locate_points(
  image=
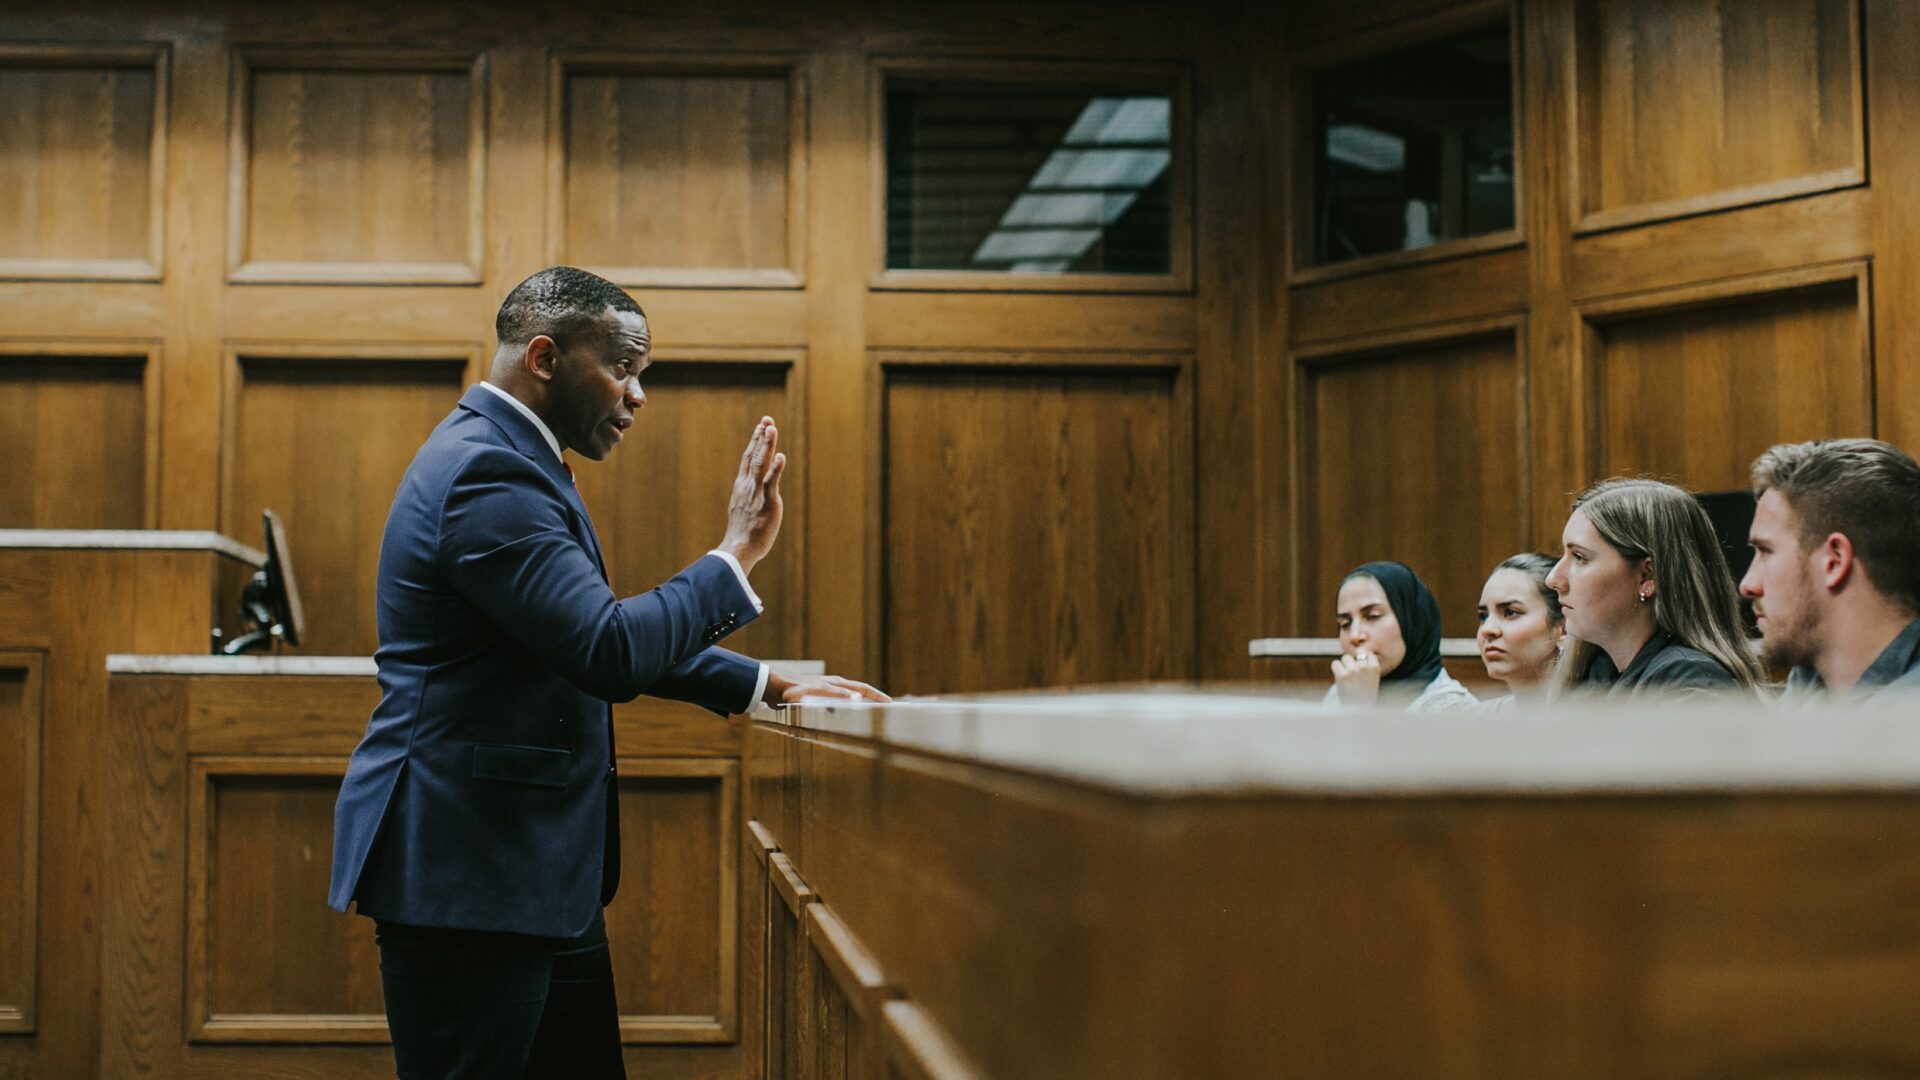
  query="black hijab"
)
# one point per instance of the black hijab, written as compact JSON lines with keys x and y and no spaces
{"x":1419,"y":616}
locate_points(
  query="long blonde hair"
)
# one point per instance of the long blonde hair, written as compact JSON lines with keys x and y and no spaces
{"x":1693,"y":597}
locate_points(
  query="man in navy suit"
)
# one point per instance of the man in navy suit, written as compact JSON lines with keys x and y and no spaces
{"x":477,"y":824}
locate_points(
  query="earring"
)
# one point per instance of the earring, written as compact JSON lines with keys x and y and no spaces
{"x":1644,"y":597}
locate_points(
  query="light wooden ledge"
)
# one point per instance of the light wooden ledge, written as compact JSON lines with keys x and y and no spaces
{"x":1165,"y":743}
{"x":131,"y":540}
{"x":1312,"y":648}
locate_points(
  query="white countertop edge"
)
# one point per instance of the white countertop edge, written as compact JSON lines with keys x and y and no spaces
{"x":149,"y":664}
{"x":359,"y":666}
{"x":131,"y":540}
{"x":1307,"y":648}
{"x":1222,"y":745}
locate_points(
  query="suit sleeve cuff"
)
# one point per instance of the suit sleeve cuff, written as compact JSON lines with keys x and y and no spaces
{"x":759,"y":690}
{"x":758,"y":607}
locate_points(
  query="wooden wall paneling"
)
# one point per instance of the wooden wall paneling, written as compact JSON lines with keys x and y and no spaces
{"x":1557,"y":435}
{"x":399,"y":194}
{"x":140,"y":1028}
{"x":1772,"y":358}
{"x":20,"y":723}
{"x":756,"y":926}
{"x":192,"y":366}
{"x":852,"y":992}
{"x":1815,"y":230}
{"x":84,"y":176}
{"x":1894,"y":99}
{"x":898,"y":319}
{"x":80,"y":430}
{"x":677,"y":169}
{"x":660,"y":503}
{"x":675,"y":929}
{"x":843,"y":538}
{"x":1271,"y":316}
{"x":914,"y":1047}
{"x":114,"y":310}
{"x":1469,"y":287}
{"x":1038,"y":518}
{"x":359,"y":314}
{"x":303,"y":716}
{"x":1299,"y":188}
{"x":1683,"y":108}
{"x":789,"y":1028}
{"x":1175,"y":78}
{"x":1226,"y":455}
{"x":266,"y":962}
{"x":322,"y":434}
{"x":1411,"y":448}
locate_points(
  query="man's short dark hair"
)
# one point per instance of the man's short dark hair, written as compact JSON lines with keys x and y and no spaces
{"x":1863,"y":488}
{"x":559,"y":302}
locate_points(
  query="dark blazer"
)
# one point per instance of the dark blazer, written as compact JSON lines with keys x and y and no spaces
{"x":482,"y":794}
{"x":1664,"y":664}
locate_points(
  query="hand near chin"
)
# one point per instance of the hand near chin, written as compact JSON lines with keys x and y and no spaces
{"x":1356,"y":678}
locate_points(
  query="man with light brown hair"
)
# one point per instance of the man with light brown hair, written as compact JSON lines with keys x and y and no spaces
{"x":1835,"y":579}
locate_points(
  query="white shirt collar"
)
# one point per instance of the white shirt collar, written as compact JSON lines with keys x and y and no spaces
{"x":529,"y":414}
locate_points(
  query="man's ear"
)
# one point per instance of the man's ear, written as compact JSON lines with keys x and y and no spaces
{"x":541,"y":357}
{"x":1833,"y":561}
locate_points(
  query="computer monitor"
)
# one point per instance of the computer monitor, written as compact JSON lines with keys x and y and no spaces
{"x":270,"y":605}
{"x":1731,"y":513}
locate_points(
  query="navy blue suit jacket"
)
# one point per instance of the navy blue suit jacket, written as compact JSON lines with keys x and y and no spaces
{"x":482,"y":794}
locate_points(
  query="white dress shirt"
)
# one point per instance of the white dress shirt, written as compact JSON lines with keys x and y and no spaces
{"x":760,"y":688}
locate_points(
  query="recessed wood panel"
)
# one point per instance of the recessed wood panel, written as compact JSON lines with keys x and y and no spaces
{"x":674,"y":923}
{"x":675,"y":170}
{"x":1694,"y":105}
{"x":1415,"y":454}
{"x":660,"y":501}
{"x":73,"y":435}
{"x":79,"y":174}
{"x":324,"y":442}
{"x":19,"y":838}
{"x":348,"y":170}
{"x":1035,"y":529}
{"x":266,"y":959}
{"x":1695,"y":395}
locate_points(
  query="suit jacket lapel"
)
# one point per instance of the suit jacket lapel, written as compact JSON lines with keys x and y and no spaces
{"x":527,"y":439}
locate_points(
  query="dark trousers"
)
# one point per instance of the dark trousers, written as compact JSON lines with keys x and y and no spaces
{"x":473,"y":1005}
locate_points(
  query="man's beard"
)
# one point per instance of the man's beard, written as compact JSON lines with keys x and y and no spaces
{"x":1790,"y":645}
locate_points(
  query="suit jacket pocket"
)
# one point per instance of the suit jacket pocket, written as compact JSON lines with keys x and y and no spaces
{"x":536,"y":765}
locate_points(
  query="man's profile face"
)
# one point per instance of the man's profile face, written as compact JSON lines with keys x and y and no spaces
{"x":596,"y":384}
{"x":1781,"y":583}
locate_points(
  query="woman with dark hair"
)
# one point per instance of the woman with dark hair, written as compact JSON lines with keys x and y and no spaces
{"x":1521,"y":628}
{"x":1648,"y":598}
{"x":1389,"y":628}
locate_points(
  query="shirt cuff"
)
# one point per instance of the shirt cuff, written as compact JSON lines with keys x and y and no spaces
{"x":758,"y":607}
{"x":759,"y":690}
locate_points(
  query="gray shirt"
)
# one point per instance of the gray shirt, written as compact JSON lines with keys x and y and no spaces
{"x":1896,"y":668}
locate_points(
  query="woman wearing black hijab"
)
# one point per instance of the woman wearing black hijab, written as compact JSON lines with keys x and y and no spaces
{"x":1389,"y":627}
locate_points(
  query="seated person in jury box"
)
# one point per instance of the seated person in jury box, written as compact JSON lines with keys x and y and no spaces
{"x":1648,"y":598}
{"x":1521,"y":628}
{"x":1835,"y":577}
{"x":1389,"y":627}
{"x":477,"y":822}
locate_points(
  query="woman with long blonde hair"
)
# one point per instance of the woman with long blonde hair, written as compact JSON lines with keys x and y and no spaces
{"x":1648,"y":599}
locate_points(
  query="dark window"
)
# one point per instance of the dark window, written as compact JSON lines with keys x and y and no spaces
{"x":1029,"y":177}
{"x":1413,"y":147}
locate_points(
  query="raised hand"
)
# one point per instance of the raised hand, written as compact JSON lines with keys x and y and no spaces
{"x":754,"y":508}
